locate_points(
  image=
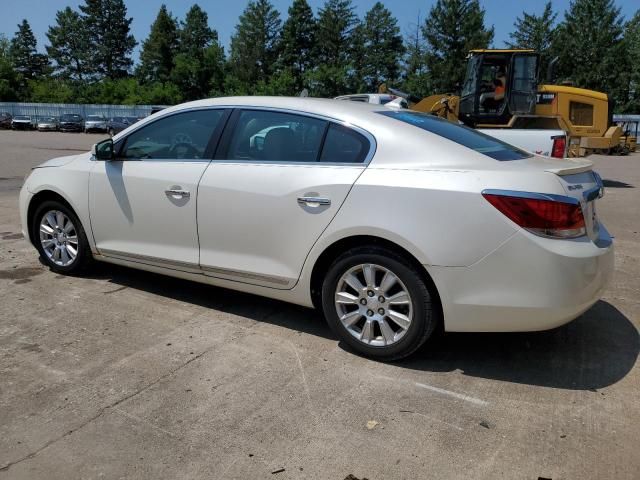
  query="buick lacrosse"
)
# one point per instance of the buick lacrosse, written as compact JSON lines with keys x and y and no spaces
{"x":390,"y":222}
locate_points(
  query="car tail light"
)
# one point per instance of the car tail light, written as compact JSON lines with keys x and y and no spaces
{"x":546,"y":215}
{"x":559,"y":146}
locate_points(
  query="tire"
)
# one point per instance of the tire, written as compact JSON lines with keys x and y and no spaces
{"x":83,"y":258}
{"x":384,"y":339}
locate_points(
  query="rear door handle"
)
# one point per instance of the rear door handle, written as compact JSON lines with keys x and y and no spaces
{"x":178,"y":193}
{"x":313,"y":201}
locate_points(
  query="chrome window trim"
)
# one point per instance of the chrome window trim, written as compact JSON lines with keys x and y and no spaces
{"x":532,"y":195}
{"x":373,"y":144}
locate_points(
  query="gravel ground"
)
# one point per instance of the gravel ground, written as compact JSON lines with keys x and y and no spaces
{"x":125,"y":374}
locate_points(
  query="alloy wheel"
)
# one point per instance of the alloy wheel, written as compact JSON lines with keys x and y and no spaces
{"x":373,"y":305}
{"x":59,"y":238}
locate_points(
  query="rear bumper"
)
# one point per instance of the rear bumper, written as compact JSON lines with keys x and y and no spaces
{"x":529,"y":283}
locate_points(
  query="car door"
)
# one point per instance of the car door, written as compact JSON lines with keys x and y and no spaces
{"x":143,"y":203}
{"x":277,"y":181}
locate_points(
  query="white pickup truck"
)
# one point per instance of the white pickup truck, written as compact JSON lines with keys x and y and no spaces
{"x":549,"y":143}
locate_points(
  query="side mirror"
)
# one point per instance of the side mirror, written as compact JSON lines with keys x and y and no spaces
{"x":103,"y":150}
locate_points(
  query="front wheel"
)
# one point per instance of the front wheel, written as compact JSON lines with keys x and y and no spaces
{"x":378,"y":303}
{"x":60,"y":238}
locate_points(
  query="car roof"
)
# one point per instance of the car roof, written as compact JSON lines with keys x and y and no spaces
{"x":398,"y":144}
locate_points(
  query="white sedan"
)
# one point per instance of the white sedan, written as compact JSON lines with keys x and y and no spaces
{"x":391,"y":222}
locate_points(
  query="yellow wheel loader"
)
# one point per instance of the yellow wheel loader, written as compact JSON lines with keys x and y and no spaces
{"x":501,"y":90}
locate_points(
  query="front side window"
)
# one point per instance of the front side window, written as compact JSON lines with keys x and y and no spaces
{"x":183,"y":136}
{"x":276,"y":137}
{"x":465,"y":136}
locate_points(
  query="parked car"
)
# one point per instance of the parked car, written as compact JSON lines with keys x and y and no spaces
{"x":5,"y":120}
{"x":118,"y":124}
{"x":71,"y":122}
{"x":95,"y":123}
{"x":21,"y":122}
{"x":375,"y":98}
{"x":48,"y":124}
{"x":392,"y":222}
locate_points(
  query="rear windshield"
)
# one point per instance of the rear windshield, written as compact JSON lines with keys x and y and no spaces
{"x":460,"y":134}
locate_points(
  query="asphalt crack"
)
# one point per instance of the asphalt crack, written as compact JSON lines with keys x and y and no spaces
{"x":113,"y":405}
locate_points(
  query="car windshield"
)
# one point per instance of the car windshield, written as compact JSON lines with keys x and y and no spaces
{"x":71,"y":118}
{"x":48,"y":119}
{"x":22,"y":117}
{"x":95,"y":118}
{"x":460,"y":134}
{"x":132,"y":119}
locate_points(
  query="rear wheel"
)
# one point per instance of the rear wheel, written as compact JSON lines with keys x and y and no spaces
{"x":378,"y":303}
{"x":60,"y":238}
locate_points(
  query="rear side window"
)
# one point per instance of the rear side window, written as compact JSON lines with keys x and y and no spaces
{"x":344,"y":145}
{"x":465,"y":136}
{"x":276,"y":137}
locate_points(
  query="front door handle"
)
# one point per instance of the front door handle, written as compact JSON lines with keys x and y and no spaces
{"x":313,"y":201}
{"x":174,"y":192}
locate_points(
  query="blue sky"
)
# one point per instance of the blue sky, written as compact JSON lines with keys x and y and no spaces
{"x":223,"y":14}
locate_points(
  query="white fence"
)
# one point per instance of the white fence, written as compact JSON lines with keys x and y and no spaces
{"x":38,"y":110}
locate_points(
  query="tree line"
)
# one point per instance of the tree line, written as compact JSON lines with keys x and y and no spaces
{"x":329,"y":52}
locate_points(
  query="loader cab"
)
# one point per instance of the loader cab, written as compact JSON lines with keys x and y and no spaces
{"x":498,"y":85}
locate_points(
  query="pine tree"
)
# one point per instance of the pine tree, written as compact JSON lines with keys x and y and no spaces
{"x":24,"y":54}
{"x":254,"y":45}
{"x":333,"y":50}
{"x":69,"y":45}
{"x":297,"y":40}
{"x":415,"y":77}
{"x":9,"y":78}
{"x":590,"y":47}
{"x":157,"y":58}
{"x":536,"y":33}
{"x":381,"y":48}
{"x":632,"y":44}
{"x":200,"y":61}
{"x":111,"y":43}
{"x":453,"y":28}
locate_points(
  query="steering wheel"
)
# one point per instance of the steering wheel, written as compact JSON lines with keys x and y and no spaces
{"x":191,"y":150}
{"x":181,"y":138}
